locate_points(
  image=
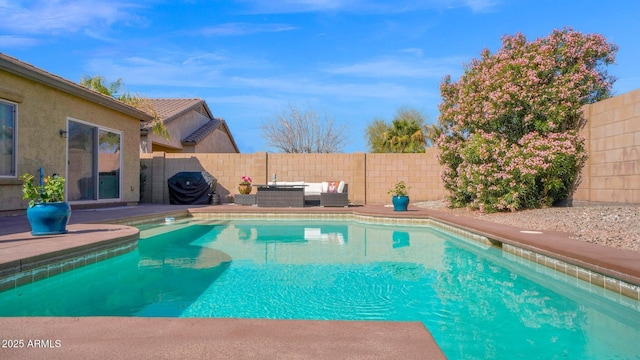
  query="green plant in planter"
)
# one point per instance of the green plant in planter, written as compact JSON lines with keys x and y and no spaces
{"x":401,"y":189}
{"x":52,"y":189}
{"x":48,"y":213}
{"x":400,"y":197}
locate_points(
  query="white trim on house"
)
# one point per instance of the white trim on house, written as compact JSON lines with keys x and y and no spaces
{"x":15,"y":140}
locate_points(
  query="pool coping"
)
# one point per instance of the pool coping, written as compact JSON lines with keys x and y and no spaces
{"x":163,"y":338}
{"x":27,"y":258}
{"x":612,"y":263}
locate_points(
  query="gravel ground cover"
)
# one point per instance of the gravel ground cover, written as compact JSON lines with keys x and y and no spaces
{"x":614,"y":226}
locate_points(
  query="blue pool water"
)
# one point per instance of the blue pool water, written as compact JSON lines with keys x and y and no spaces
{"x":477,"y":303}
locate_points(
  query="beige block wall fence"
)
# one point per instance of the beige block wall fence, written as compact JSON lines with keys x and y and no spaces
{"x":369,"y":175}
{"x":612,"y":173}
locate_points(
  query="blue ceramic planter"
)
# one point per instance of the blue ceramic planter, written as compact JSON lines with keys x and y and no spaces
{"x":49,"y":218}
{"x":400,"y":203}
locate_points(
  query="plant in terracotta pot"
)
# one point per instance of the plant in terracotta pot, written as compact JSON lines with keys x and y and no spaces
{"x":47,"y":213}
{"x":245,"y":185}
{"x":400,"y":197}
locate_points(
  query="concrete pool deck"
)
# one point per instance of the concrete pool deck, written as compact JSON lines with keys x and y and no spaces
{"x":141,"y":338}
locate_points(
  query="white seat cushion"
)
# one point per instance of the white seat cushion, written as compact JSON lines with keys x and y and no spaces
{"x":313,"y":189}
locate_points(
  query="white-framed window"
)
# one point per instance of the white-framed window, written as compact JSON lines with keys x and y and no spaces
{"x":94,"y":159}
{"x":8,"y":122}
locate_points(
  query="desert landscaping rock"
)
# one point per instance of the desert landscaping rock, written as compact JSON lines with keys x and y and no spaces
{"x":614,"y":226}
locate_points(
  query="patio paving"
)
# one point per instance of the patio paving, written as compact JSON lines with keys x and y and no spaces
{"x":141,"y":338}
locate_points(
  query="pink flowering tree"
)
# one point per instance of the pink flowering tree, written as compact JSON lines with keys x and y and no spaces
{"x":508,"y":129}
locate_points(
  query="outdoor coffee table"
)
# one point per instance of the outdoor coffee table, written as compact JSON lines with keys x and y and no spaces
{"x":280,"y":195}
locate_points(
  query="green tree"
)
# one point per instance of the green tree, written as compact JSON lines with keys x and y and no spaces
{"x":375,"y":135}
{"x":405,"y":134}
{"x":508,"y":128}
{"x":99,"y":83}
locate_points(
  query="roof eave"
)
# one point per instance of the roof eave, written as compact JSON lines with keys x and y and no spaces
{"x":233,"y":141}
{"x":30,"y":72}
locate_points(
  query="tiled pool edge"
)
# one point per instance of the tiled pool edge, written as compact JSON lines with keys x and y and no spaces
{"x":594,"y":278}
{"x":604,"y":281}
{"x":31,"y":269}
{"x":146,"y":219}
{"x":52,"y":264}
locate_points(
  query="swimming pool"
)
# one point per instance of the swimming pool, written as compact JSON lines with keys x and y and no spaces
{"x":475,"y":301}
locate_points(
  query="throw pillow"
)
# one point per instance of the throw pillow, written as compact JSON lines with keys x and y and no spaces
{"x":333,"y":186}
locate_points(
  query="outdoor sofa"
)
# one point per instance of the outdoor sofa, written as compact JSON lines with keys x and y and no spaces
{"x":326,"y":193}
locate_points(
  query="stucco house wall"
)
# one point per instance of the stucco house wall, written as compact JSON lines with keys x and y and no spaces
{"x":216,"y":142}
{"x":187,"y":124}
{"x":45,"y":103}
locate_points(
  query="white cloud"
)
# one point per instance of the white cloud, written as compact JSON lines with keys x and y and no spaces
{"x":153,"y":72}
{"x":172,"y":69}
{"x":236,"y":29}
{"x":413,"y":51}
{"x":63,"y":16}
{"x":363,"y":6}
{"x":10,"y":41}
{"x":400,"y":67}
{"x":211,"y":71}
{"x":297,"y":6}
{"x":481,"y":5}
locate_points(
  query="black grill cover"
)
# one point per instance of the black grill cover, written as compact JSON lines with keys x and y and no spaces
{"x":191,"y":188}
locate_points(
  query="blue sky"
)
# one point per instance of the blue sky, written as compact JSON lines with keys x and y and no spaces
{"x":353,"y":60}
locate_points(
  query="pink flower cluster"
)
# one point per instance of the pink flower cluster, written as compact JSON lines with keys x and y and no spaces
{"x":510,"y":123}
{"x":246,"y":180}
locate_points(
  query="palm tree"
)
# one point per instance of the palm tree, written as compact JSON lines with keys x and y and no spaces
{"x":406,"y":134}
{"x":98,"y":83}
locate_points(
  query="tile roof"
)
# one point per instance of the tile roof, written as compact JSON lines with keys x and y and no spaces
{"x":200,"y":134}
{"x":170,"y":109}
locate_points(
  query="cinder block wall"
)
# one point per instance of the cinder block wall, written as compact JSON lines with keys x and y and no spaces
{"x":421,"y":172}
{"x":228,"y":170}
{"x":612,"y":173}
{"x":369,"y":175}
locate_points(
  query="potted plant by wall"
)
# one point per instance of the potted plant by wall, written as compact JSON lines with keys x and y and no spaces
{"x":245,"y":185}
{"x":400,"y":197}
{"x":48,"y":213}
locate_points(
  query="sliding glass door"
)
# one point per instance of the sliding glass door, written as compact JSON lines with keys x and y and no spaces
{"x":108,"y":164}
{"x":94,"y":162}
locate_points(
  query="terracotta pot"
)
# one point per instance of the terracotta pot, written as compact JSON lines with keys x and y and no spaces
{"x":244,"y":189}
